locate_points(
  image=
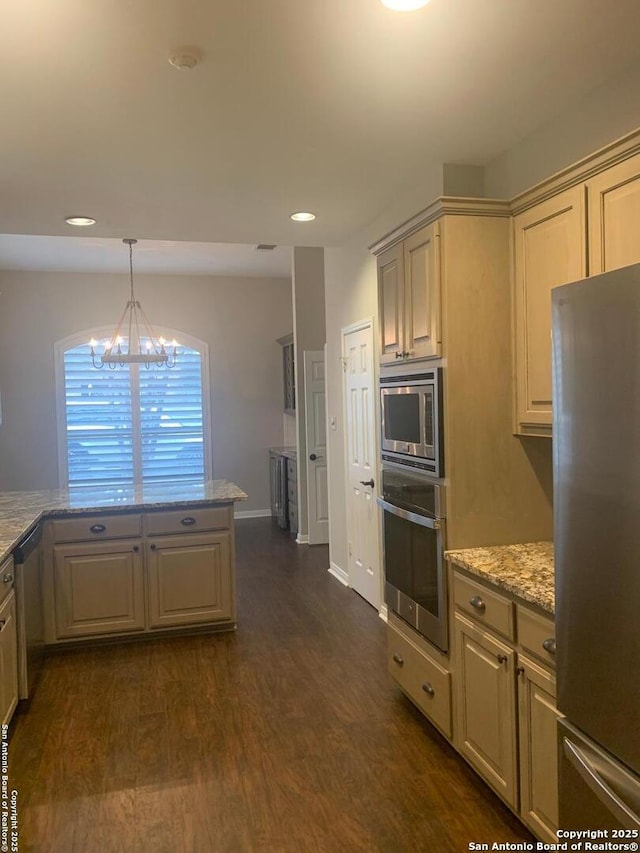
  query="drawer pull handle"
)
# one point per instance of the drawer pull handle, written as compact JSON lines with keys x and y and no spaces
{"x":188,"y":521}
{"x":398,"y":659}
{"x":502,"y":658}
{"x":477,"y":602}
{"x":97,"y":528}
{"x":428,"y":689}
{"x":550,"y":645}
{"x":7,"y":579}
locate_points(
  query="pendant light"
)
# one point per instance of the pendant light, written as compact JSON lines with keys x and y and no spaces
{"x":142,"y":345}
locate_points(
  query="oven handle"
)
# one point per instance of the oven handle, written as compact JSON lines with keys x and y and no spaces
{"x":416,"y":518}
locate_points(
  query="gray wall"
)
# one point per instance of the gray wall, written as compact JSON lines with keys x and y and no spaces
{"x":239,"y":318}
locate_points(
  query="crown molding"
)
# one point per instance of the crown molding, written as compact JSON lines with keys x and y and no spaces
{"x":442,"y":206}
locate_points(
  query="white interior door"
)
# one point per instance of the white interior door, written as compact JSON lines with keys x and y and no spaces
{"x":362,"y":511}
{"x":316,"y":436}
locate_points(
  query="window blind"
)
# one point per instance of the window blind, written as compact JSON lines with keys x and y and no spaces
{"x":133,"y":424}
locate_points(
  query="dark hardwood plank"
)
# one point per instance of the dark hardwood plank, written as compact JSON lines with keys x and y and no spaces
{"x":286,"y":736}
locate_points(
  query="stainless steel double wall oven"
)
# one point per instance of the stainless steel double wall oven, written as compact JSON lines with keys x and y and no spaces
{"x":413,"y":501}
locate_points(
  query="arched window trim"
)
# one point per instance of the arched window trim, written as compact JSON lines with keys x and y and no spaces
{"x":98,"y":332}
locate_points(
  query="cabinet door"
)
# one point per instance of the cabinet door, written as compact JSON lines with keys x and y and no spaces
{"x":99,"y":588}
{"x":549,"y":249}
{"x":487,"y":707}
{"x":422,"y":294}
{"x":391,"y":304}
{"x":8,"y":659}
{"x":538,"y":718}
{"x":189,"y":579}
{"x":614,"y":217}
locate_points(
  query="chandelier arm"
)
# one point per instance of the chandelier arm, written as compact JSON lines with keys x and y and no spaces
{"x":116,"y":333}
{"x":149,"y":331}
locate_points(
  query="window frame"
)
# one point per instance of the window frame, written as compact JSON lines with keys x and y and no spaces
{"x":79,"y":338}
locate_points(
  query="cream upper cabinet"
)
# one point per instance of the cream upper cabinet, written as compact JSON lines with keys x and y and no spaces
{"x":614,"y":217}
{"x":549,"y":250}
{"x":409,"y":298}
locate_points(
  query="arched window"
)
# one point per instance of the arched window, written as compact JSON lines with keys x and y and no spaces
{"x":133,"y":425}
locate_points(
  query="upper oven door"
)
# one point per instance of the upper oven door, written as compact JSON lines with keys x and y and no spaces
{"x":408,"y":420}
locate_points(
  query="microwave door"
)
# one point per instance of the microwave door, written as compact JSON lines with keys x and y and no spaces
{"x":403,"y":420}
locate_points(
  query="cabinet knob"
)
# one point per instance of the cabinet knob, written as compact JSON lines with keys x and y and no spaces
{"x":136,"y":547}
{"x":477,"y":602}
{"x":502,"y":658}
{"x":398,"y":659}
{"x":7,"y":579}
{"x":97,"y":528}
{"x":428,"y":689}
{"x":188,"y":521}
{"x":153,"y":547}
{"x":550,"y":645}
{"x":520,"y":670}
{"x":399,"y":355}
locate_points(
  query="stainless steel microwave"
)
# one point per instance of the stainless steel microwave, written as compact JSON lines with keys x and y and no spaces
{"x":411,"y":408}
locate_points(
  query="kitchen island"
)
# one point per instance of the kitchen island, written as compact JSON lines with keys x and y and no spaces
{"x":130,"y":561}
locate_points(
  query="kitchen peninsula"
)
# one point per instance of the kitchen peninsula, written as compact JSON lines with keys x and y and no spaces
{"x":132,"y":560}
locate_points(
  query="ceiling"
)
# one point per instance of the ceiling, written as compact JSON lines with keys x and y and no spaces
{"x":324,"y":105}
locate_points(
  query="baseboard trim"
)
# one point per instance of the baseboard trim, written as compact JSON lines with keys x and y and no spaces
{"x":253,"y":513}
{"x":383,"y":613}
{"x":338,"y":573}
{"x":302,"y":539}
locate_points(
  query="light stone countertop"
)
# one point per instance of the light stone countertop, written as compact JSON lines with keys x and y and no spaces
{"x":525,"y":571}
{"x":21,"y":511}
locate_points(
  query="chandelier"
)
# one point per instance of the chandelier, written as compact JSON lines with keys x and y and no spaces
{"x":142,"y":345}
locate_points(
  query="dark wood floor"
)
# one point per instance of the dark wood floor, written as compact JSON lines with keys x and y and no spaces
{"x":286,"y":736}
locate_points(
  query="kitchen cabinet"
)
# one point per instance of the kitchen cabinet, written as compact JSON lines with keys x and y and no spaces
{"x":292,"y":494}
{"x":487,"y":706}
{"x":409,"y":298}
{"x":423,"y":678}
{"x":549,"y":250}
{"x":614,"y":216}
{"x":8,"y":655}
{"x":189,"y":578}
{"x":288,"y":374}
{"x":504,"y":676}
{"x":99,"y":588}
{"x":158,"y":569}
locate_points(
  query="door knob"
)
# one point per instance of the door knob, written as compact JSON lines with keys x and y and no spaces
{"x":368,"y":483}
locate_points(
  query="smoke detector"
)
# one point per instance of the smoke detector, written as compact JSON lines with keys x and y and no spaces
{"x":186,"y":57}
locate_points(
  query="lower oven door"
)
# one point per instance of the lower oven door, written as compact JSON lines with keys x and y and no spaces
{"x":415,"y":580}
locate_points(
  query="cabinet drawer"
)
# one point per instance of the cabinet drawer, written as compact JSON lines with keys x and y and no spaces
{"x":188,"y":520}
{"x":426,"y":683}
{"x":88,"y":527}
{"x":293,"y":517}
{"x":536,"y":634}
{"x":6,"y":578}
{"x":292,"y":469}
{"x":486,"y":607}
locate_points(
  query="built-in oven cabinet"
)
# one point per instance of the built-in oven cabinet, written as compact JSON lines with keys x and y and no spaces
{"x":503,"y":671}
{"x":421,"y":672}
{"x":409,"y":298}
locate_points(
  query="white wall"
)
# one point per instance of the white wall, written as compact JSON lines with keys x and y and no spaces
{"x":609,"y":112}
{"x":239,"y":318}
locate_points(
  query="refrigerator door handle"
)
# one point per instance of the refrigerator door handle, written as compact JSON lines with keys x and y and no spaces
{"x":588,"y":771}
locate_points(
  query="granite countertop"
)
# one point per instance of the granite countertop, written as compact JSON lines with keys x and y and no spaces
{"x":524,"y":570}
{"x":21,"y":511}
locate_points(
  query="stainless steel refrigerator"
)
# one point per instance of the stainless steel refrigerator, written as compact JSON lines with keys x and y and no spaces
{"x":596,"y":455}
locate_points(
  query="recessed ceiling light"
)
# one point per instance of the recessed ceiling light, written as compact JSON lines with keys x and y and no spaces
{"x":404,"y":5}
{"x":303,"y":216}
{"x":80,"y":220}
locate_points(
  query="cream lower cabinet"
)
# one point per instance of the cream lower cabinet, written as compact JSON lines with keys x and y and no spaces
{"x":189,"y":579}
{"x":505,"y":688}
{"x":99,"y":588}
{"x":538,"y":719}
{"x":8,"y":658}
{"x":487,"y":734}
